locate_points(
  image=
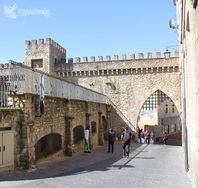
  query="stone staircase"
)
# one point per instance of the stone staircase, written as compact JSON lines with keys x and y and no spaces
{"x":120,"y":113}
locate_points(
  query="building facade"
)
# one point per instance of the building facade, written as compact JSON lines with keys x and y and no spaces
{"x":188,"y":35}
{"x":43,"y":117}
{"x":126,"y":81}
{"x":55,"y":100}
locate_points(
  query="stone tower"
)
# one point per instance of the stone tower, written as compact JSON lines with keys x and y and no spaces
{"x":44,"y":54}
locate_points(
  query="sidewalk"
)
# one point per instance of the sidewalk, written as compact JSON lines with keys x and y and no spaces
{"x":148,"y":166}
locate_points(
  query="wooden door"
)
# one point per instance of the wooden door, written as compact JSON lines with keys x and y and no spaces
{"x":1,"y":149}
{"x":8,"y":148}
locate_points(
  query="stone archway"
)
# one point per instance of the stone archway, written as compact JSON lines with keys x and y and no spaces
{"x":160,"y":114}
{"x":48,"y":145}
{"x":127,"y":84}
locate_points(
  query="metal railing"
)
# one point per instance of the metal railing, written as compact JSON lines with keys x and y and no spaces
{"x":4,"y":92}
{"x":120,"y":113}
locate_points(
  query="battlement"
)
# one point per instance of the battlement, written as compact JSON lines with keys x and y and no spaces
{"x":43,"y":42}
{"x":124,"y":57}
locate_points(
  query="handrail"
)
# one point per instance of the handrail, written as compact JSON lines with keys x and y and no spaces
{"x":131,"y":125}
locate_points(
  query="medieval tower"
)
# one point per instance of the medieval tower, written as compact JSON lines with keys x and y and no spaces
{"x":127,"y":82}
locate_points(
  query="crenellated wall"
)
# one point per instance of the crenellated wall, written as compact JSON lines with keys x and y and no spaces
{"x":128,"y":83}
{"x":124,"y":57}
{"x":46,"y":52}
{"x":120,"y":67}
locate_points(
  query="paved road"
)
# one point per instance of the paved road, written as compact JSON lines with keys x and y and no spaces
{"x":149,"y":166}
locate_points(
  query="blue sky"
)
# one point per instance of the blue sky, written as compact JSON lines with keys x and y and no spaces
{"x":88,"y":27}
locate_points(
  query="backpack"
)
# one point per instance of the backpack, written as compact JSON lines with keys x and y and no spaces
{"x":111,"y":136}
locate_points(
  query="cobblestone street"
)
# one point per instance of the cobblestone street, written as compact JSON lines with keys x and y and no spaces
{"x":148,"y":166}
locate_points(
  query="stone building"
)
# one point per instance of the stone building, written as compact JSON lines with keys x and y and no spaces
{"x":127,"y":82}
{"x":44,"y":55}
{"x":159,"y":114}
{"x":31,"y":130}
{"x":188,"y":36}
{"x":54,"y":100}
{"x":168,"y":117}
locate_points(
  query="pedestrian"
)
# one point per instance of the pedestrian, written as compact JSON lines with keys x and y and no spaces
{"x":111,"y":140}
{"x":87,"y":148}
{"x":165,"y":138}
{"x":139,"y":135}
{"x":147,"y":136}
{"x":151,"y":137}
{"x":142,"y":137}
{"x":126,"y":139}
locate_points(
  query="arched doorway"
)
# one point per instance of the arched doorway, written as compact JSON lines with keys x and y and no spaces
{"x":78,"y":134}
{"x":159,"y":114}
{"x":47,"y":145}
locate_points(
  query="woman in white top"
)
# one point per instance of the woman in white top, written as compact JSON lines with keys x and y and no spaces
{"x":86,"y":140}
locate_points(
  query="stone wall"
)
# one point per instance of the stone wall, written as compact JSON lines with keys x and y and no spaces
{"x":188,"y":36}
{"x":47,"y":50}
{"x":57,"y":112}
{"x":128,"y":83}
{"x":60,"y":117}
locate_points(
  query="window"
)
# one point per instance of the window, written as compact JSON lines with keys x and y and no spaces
{"x":154,"y":69}
{"x":149,"y":69}
{"x":173,"y":108}
{"x":159,"y":69}
{"x":166,"y":109}
{"x":139,"y":70}
{"x":37,"y":63}
{"x":144,"y":70}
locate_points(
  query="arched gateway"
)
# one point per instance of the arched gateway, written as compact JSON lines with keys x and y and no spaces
{"x":127,"y":82}
{"x":159,"y":114}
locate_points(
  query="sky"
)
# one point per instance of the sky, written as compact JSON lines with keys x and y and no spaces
{"x":87,"y":27}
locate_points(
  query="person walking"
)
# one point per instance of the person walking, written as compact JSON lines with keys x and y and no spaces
{"x":151,"y":137}
{"x":142,"y":137}
{"x":126,"y":139}
{"x":139,"y":136}
{"x":147,"y":136}
{"x":111,"y":140}
{"x":87,"y":148}
{"x":165,"y":138}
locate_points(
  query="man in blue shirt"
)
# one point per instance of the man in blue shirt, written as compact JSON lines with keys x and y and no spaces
{"x":111,"y":140}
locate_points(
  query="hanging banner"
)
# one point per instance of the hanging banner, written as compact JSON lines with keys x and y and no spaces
{"x":41,"y":93}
